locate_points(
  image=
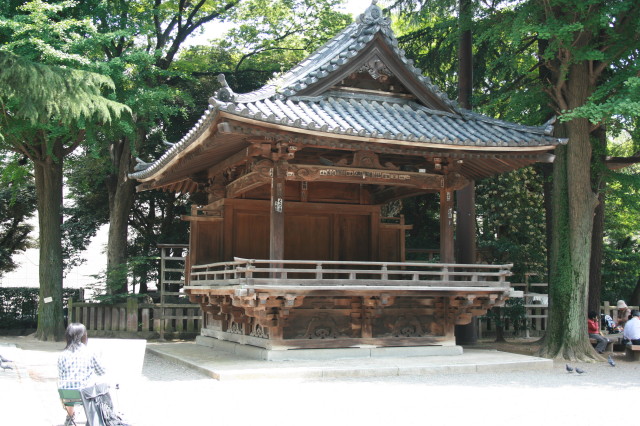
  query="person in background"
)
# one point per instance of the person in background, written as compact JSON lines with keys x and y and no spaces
{"x":631,"y":331}
{"x":77,"y":364}
{"x":623,"y":313}
{"x":593,"y":326}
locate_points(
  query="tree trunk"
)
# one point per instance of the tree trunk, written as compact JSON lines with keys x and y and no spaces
{"x":121,"y":197}
{"x":597,"y":243}
{"x":573,"y":209}
{"x":466,"y":197}
{"x":48,"y":180}
{"x":595,"y":267}
{"x":547,"y":187}
{"x":634,"y":300}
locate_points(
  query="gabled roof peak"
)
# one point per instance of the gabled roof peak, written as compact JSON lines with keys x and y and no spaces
{"x":350,"y":51}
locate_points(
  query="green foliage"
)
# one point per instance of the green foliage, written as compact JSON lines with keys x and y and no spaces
{"x":36,"y":93}
{"x":512,"y":313}
{"x":511,"y":221}
{"x":268,"y":38}
{"x":107,"y":282}
{"x":155,"y":220}
{"x":506,"y":81}
{"x":621,"y":264}
{"x":43,"y":72}
{"x":17,"y":205}
{"x":615,"y":103}
{"x":279,"y":33}
{"x":19,"y":306}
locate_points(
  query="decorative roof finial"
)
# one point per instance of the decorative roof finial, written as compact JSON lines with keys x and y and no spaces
{"x":373,"y":16}
{"x":224,"y":94}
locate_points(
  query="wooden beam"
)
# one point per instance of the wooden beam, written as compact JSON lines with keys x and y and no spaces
{"x":246,"y":183}
{"x":201,"y":218}
{"x":356,"y":175}
{"x":238,"y":158}
{"x":146,"y":186}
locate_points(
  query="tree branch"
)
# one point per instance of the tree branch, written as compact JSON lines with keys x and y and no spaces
{"x":75,"y":143}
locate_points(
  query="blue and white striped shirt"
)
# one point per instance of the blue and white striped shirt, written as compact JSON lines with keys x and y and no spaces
{"x":75,"y":369}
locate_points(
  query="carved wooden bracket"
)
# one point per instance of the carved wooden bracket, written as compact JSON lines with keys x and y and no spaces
{"x":367,"y":159}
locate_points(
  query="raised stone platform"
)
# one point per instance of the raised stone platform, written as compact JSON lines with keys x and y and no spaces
{"x":254,"y":352}
{"x":224,"y":365}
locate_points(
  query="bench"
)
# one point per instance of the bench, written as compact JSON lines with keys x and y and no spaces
{"x":632,"y":352}
{"x":608,"y":348}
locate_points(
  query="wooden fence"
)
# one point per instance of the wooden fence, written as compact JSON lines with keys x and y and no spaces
{"x":133,"y":319}
{"x":536,"y":305}
{"x":537,"y":311}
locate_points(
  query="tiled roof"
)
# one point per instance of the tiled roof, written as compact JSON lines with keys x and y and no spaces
{"x":357,"y":114}
{"x":331,"y":57}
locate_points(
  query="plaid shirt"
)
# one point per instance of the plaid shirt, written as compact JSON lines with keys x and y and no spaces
{"x":76,"y":368}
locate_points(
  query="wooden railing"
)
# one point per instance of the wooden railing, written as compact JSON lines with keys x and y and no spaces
{"x":252,"y":272}
{"x":133,"y":319}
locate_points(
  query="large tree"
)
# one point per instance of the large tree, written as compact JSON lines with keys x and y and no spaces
{"x":47,"y":106}
{"x":589,"y":45}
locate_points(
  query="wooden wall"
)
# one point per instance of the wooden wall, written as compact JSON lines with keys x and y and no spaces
{"x":313,"y":231}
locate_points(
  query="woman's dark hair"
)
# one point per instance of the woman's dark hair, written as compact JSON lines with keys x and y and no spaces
{"x":76,"y":336}
{"x":592,"y":315}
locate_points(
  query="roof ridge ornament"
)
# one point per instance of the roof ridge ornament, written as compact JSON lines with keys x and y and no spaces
{"x":373,"y":17}
{"x":224,"y":94}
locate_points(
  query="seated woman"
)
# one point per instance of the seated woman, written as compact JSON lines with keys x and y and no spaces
{"x":593,"y":326}
{"x":623,"y":313}
{"x":77,"y":364}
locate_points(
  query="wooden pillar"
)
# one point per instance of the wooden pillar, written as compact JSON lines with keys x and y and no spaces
{"x":466,"y":224}
{"x":466,"y":250}
{"x":446,"y":226}
{"x":276,"y":228}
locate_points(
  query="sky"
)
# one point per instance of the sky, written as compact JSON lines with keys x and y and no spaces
{"x":27,"y":273}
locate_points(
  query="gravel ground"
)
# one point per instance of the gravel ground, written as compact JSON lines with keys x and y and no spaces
{"x":168,"y":393}
{"x":528,"y":398}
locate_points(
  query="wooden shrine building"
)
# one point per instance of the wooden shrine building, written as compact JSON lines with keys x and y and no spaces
{"x":291,"y":250}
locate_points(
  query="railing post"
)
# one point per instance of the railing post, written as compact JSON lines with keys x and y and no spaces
{"x":445,"y":273}
{"x":249,"y":275}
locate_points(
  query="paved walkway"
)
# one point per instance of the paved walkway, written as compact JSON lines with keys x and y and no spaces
{"x":473,"y":389}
